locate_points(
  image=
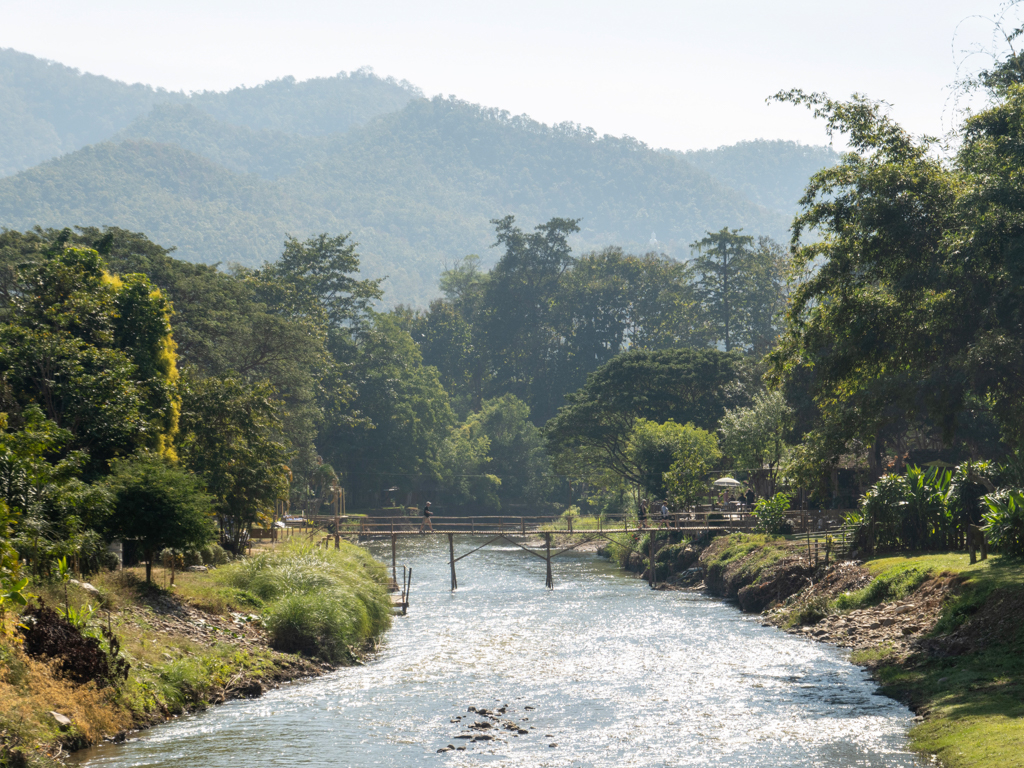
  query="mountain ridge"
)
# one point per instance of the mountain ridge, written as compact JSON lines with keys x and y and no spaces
{"x":416,"y":186}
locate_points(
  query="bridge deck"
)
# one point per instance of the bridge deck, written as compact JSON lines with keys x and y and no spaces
{"x":533,"y":533}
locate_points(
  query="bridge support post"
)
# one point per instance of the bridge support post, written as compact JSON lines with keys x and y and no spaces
{"x":394,"y":555}
{"x":337,"y":521}
{"x":451,"y":560}
{"x":652,"y":578}
{"x":550,"y":582}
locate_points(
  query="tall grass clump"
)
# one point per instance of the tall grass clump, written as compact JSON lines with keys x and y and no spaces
{"x":319,"y":602}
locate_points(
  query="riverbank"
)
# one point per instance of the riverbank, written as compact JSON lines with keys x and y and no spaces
{"x":939,"y":634}
{"x":203,"y":641}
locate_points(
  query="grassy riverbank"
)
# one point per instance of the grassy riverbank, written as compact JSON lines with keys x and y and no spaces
{"x":938,"y":633}
{"x":228,"y":633}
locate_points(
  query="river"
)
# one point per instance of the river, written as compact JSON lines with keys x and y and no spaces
{"x":611,"y":672}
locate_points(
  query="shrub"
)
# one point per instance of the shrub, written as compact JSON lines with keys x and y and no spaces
{"x":911,"y":511}
{"x":1004,"y":521}
{"x":771,"y":514}
{"x":214,"y":554}
{"x":810,"y":612}
{"x":317,"y":625}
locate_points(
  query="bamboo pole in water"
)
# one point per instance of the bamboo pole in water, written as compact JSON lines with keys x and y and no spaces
{"x":650,"y":567}
{"x":550,"y":582}
{"x":451,"y":560}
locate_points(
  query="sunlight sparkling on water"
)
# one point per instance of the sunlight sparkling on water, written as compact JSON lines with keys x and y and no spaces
{"x":618,"y":675}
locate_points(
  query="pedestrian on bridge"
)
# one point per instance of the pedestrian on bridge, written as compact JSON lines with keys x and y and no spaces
{"x":427,"y":514}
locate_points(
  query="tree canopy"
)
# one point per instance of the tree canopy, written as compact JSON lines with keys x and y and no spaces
{"x":591,"y":434}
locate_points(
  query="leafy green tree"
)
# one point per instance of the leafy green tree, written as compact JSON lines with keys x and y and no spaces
{"x":289,"y":323}
{"x":518,"y":304}
{"x":723,"y":283}
{"x":40,"y":479}
{"x":446,"y":341}
{"x":94,"y":351}
{"x":515,"y":449}
{"x":695,"y":455}
{"x":407,"y":410}
{"x":611,"y":301}
{"x":880,"y":319}
{"x":464,"y":286}
{"x":159,"y":505}
{"x":771,"y":280}
{"x":464,"y":475}
{"x":590,"y":435}
{"x":320,"y":271}
{"x":655,"y":450}
{"x":755,"y":438}
{"x":232,"y":441}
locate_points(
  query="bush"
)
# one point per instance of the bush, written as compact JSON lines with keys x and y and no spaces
{"x":192,"y":557}
{"x":214,"y":554}
{"x":1004,"y":521}
{"x":911,"y":511}
{"x":316,"y":625}
{"x":810,"y":612}
{"x":771,"y":514}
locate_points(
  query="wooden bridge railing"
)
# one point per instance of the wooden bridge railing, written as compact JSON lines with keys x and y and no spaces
{"x":535,"y":524}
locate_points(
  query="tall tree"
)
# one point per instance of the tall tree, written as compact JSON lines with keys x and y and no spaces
{"x":886,"y":328}
{"x":611,"y":301}
{"x":654,"y":450}
{"x":723,"y":284}
{"x":755,"y":438}
{"x":232,"y":441}
{"x":518,"y":302}
{"x":515,"y":449}
{"x":93,"y":350}
{"x":770,"y":279}
{"x":407,"y":416}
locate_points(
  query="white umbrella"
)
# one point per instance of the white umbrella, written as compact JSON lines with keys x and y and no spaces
{"x":727,"y":482}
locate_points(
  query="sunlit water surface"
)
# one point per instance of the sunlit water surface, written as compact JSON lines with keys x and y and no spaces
{"x":618,"y":675}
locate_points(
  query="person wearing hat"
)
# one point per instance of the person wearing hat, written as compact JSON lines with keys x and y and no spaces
{"x":427,"y":514}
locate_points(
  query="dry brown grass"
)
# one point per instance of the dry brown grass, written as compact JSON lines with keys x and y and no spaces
{"x":29,"y":691}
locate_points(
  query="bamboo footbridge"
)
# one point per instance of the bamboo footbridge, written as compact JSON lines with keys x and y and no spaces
{"x":541,"y":530}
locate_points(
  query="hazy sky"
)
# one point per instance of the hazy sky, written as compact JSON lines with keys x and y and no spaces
{"x":674,"y":74}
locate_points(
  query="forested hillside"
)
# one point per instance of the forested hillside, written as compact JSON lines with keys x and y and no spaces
{"x":225,"y":177}
{"x":48,"y":109}
{"x":771,"y":173}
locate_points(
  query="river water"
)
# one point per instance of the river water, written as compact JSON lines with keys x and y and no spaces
{"x":611,"y":672}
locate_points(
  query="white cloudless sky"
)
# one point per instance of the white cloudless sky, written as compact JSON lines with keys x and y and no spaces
{"x":682,"y":75}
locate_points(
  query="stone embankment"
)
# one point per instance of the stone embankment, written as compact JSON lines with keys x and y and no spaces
{"x":898,"y":627}
{"x":165,"y":619}
{"x":777,"y":580}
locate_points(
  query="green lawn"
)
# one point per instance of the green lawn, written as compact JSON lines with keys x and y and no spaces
{"x":975,"y":700}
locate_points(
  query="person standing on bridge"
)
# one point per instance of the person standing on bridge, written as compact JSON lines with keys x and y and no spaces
{"x":427,"y":514}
